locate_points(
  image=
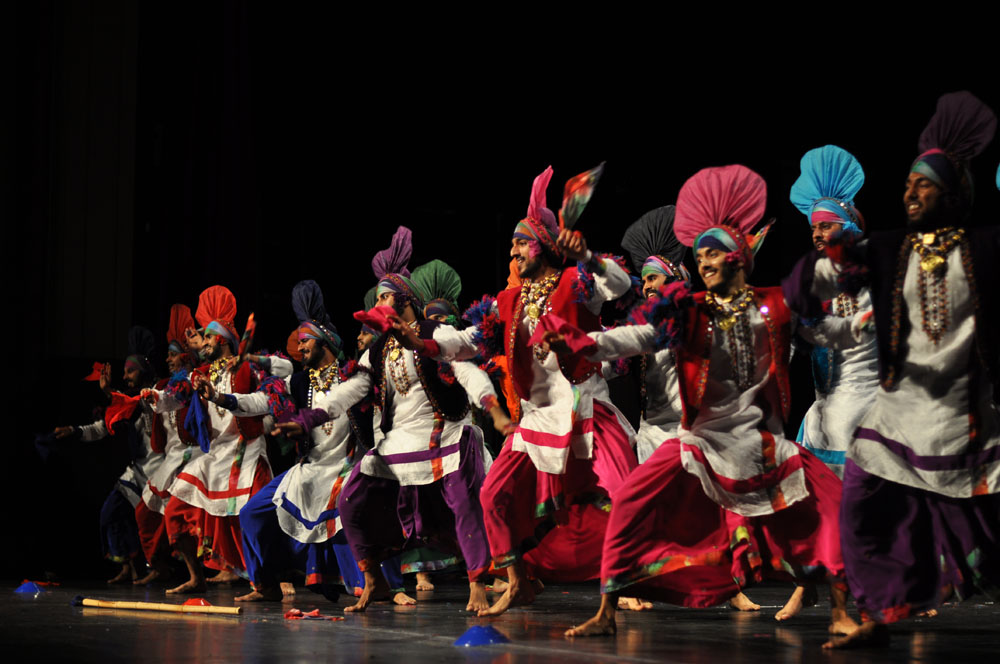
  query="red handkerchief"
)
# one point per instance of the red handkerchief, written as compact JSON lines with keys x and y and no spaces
{"x":577,"y":340}
{"x":95,"y":373}
{"x":375,"y":318}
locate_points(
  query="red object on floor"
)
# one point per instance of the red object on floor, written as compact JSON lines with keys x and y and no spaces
{"x":197,"y":601}
{"x":297,"y":614}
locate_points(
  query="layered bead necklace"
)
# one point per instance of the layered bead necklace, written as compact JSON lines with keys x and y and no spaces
{"x":731,"y":319}
{"x":320,"y":381}
{"x":216,"y":372}
{"x":534,"y":297}
{"x":932,"y":282}
{"x":396,"y":355}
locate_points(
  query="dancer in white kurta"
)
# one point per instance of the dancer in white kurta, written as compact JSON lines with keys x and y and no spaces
{"x":846,"y":380}
{"x":657,"y":255}
{"x":125,"y":417}
{"x":171,"y":439}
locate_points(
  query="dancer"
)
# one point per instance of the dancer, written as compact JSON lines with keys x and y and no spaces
{"x":845,"y":380}
{"x":202,"y":517}
{"x":119,"y":532}
{"x":418,"y":487}
{"x":657,"y":255}
{"x":697,"y":522}
{"x":921,"y":482}
{"x":570,"y":451}
{"x":293,"y":522}
{"x":172,"y":440}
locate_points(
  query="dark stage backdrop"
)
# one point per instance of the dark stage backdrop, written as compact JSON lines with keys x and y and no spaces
{"x":160,"y":148}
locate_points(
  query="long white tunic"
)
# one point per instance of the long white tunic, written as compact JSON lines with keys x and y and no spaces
{"x":422,"y":446}
{"x":737,"y":437}
{"x":938,"y":429}
{"x":849,"y":390}
{"x":556,"y":410}
{"x":206,"y":481}
{"x":176,"y":454}
{"x":131,"y":482}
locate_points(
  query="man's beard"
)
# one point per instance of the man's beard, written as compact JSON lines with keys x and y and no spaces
{"x":315,"y":358}
{"x":212,"y":353}
{"x":727,"y":273}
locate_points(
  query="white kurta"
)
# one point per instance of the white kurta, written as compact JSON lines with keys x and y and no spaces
{"x":851,"y":383}
{"x":205,"y":481}
{"x":131,"y":482}
{"x":176,"y":454}
{"x":921,"y":433}
{"x":305,"y":497}
{"x":556,"y":409}
{"x":422,"y":446}
{"x":737,"y":435}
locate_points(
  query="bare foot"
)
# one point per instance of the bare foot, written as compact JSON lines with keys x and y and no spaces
{"x":402,"y":599}
{"x":633,"y":604}
{"x":603,"y":624}
{"x":424,"y":581}
{"x":287,"y":589}
{"x":126,"y":575}
{"x":271,"y":594}
{"x":741,"y":602}
{"x":842,"y":624}
{"x":153,"y":575}
{"x":188,"y":587}
{"x":477,"y":598}
{"x":375,"y":588}
{"x":929,"y":613}
{"x":517,"y":594}
{"x":224,"y":576}
{"x":802,"y":597}
{"x":869,"y":635}
{"x":499,"y":585}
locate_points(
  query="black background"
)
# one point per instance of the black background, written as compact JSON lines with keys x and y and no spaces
{"x":156,"y":149}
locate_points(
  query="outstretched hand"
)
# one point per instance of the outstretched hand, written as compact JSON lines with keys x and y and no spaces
{"x":105,"y":379}
{"x":290,"y":429}
{"x":62,"y":432}
{"x":406,"y":334}
{"x":195,"y":340}
{"x":556,"y":342}
{"x":573,"y":244}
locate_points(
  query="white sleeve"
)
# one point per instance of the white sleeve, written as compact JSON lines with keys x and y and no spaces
{"x":95,"y":431}
{"x":612,"y":283}
{"x":342,"y":396}
{"x":835,"y":332}
{"x":165,"y":402}
{"x":280,"y":367}
{"x":455,"y":344}
{"x":624,"y":341}
{"x":608,"y":371}
{"x":251,"y":405}
{"x":474,"y":380}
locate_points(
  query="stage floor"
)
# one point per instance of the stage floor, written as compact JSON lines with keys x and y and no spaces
{"x":46,"y":627}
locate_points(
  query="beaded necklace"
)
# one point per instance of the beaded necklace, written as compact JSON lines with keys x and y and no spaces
{"x":396,"y":355}
{"x":217,"y":373}
{"x":739,"y":335}
{"x":320,"y":381}
{"x":216,"y":368}
{"x":932,"y":283}
{"x":726,"y":313}
{"x":534,"y":297}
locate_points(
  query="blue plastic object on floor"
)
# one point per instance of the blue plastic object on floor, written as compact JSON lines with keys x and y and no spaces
{"x":481,"y":635}
{"x":29,"y":587}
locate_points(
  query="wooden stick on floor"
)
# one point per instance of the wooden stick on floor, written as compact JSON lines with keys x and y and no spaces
{"x":156,"y":606}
